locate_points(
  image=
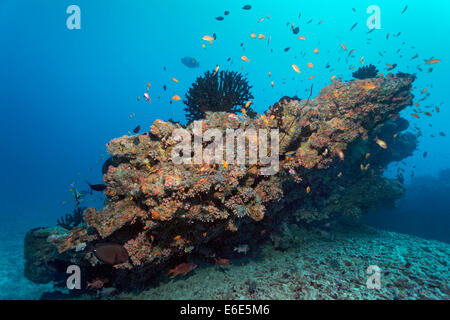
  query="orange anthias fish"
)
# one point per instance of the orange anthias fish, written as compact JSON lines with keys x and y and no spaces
{"x":296,"y":69}
{"x":183,"y":268}
{"x":244,"y":58}
{"x":340,"y":154}
{"x":225,"y":164}
{"x":432,"y":61}
{"x":176,"y":98}
{"x":308,"y":189}
{"x":248,"y":104}
{"x":310,"y":65}
{"x":261,"y":36}
{"x":381,"y":143}
{"x":175,"y":80}
{"x":343,"y":46}
{"x":209,"y":39}
{"x":253,"y":35}
{"x":302,"y":38}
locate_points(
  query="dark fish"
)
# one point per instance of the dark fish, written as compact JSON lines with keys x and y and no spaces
{"x":229,"y":59}
{"x":309,"y":21}
{"x":242,"y":44}
{"x":354,"y":10}
{"x":97,"y":187}
{"x":370,"y":31}
{"x":416,"y":56}
{"x":442,"y":134}
{"x":137,"y":129}
{"x":226,"y":13}
{"x":109,"y":162}
{"x":220,"y":18}
{"x":247,"y":7}
{"x":425,"y":154}
{"x":296,"y":30}
{"x":392,"y":67}
{"x":353,"y":27}
{"x":287,"y":49}
{"x":164,"y":87}
{"x":164,"y":68}
{"x":190,"y":62}
{"x":214,"y":36}
{"x":299,"y":14}
{"x":404,"y":10}
{"x":110,"y":253}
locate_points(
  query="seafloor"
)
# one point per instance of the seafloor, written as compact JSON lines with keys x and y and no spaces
{"x":313,"y":266}
{"x":318,"y":267}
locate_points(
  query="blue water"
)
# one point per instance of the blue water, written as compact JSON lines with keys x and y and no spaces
{"x":65,"y":93}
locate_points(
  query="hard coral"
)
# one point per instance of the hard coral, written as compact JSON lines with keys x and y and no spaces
{"x":71,"y":220}
{"x":366,"y":72}
{"x":161,"y":211}
{"x":224,"y":91}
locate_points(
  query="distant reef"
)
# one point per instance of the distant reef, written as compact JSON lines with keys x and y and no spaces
{"x":333,"y":151}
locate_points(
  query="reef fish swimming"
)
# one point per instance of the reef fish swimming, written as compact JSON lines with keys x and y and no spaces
{"x":110,"y":253}
{"x":190,"y":62}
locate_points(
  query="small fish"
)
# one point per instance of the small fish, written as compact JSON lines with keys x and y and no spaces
{"x":261,"y":36}
{"x":176,"y":98}
{"x":178,"y":237}
{"x":225,"y":164}
{"x":290,"y":153}
{"x":415,"y":115}
{"x":252,"y":35}
{"x":296,"y":69}
{"x":302,"y":38}
{"x":244,"y":58}
{"x":247,"y":7}
{"x":222,"y":261}
{"x":310,"y":65}
{"x":216,"y":70}
{"x":272,"y":84}
{"x":261,"y":20}
{"x":97,"y":187}
{"x":404,"y":10}
{"x":147,"y":97}
{"x":343,"y":46}
{"x":296,"y":30}
{"x":367,"y":155}
{"x":175,"y":80}
{"x":226,"y":13}
{"x":248,"y":104}
{"x":381,"y":143}
{"x":209,"y":39}
{"x":264,"y":118}
{"x":316,"y":50}
{"x":340,"y":153}
{"x":351,"y":51}
{"x":183,"y":268}
{"x":354,"y":26}
{"x":219,"y":18}
{"x":137,"y":129}
{"x":243,"y":248}
{"x":287,"y":49}
{"x":308,"y":189}
{"x":432,"y":61}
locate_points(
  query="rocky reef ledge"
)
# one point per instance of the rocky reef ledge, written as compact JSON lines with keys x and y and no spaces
{"x":333,"y":151}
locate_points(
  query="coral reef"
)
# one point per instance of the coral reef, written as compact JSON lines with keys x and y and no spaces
{"x":165,"y":214}
{"x":365,"y":72}
{"x":224,"y":91}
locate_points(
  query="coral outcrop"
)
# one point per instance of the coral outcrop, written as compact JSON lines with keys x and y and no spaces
{"x":163,"y":213}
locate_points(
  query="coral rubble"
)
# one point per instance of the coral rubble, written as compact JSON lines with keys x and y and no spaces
{"x":164,"y":213}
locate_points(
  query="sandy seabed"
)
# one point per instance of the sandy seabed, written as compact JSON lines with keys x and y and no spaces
{"x":320,"y":268}
{"x":313,"y":267}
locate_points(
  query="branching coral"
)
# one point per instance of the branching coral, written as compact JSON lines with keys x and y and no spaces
{"x":71,"y":220}
{"x":224,"y":91}
{"x":366,"y":72}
